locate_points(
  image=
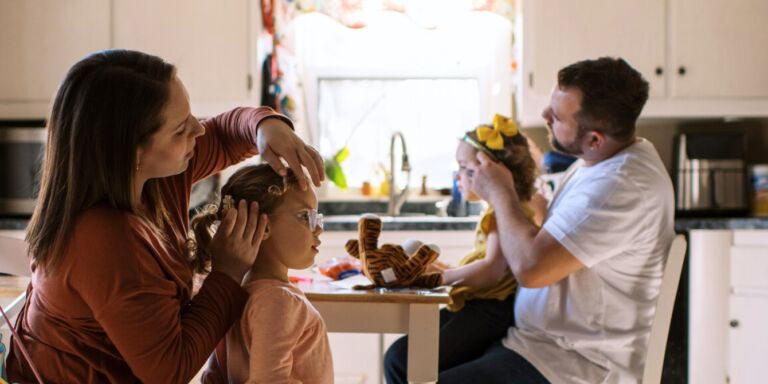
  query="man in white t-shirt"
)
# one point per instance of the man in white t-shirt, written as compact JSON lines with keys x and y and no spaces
{"x":590,"y":277}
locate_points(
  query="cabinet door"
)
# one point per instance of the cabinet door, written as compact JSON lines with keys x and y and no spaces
{"x":208,"y":41}
{"x":720,"y":45}
{"x":709,"y":290}
{"x":357,"y":357}
{"x":40,"y":42}
{"x":563,"y":32}
{"x":748,"y":339}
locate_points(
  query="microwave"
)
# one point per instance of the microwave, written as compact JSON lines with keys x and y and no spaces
{"x":22,"y":143}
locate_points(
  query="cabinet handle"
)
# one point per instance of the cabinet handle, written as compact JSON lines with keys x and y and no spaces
{"x":681,"y":71}
{"x":734,"y":323}
{"x":659,"y":71}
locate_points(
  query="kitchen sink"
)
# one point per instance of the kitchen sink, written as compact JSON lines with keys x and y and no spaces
{"x":378,"y":207}
{"x":411,"y":209}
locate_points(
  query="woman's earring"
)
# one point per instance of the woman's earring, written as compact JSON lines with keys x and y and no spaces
{"x":137,"y":165}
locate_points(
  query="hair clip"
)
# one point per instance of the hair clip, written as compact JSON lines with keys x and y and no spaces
{"x":274,"y":190}
{"x":227,"y":202}
{"x":277,"y":190}
{"x":480,"y":147}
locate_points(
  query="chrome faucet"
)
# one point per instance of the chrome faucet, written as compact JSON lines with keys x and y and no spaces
{"x":396,"y":200}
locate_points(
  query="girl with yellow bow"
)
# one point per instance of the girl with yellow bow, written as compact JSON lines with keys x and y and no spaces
{"x":483,"y":286}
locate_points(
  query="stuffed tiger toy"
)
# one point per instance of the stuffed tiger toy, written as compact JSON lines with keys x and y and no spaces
{"x":390,"y":266}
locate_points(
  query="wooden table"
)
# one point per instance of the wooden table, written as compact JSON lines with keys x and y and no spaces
{"x":413,"y":311}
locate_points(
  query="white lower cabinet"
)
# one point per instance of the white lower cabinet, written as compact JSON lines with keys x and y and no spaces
{"x":728,"y":307}
{"x":748,"y":339}
{"x":748,"y":332}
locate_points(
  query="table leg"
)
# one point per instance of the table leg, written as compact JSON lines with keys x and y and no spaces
{"x":423,"y":342}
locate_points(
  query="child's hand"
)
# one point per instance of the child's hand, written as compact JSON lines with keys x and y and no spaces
{"x":437,"y":266}
{"x":236,"y":243}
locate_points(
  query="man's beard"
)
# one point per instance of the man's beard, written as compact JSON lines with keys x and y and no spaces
{"x":572,"y":149}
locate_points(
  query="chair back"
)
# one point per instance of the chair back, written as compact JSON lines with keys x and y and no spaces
{"x":14,"y":261}
{"x":13,"y":257}
{"x":654,"y":358}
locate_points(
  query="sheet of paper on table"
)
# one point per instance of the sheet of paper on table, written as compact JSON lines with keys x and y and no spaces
{"x":360,"y":279}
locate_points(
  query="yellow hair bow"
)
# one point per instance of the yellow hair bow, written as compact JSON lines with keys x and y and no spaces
{"x":492,"y":137}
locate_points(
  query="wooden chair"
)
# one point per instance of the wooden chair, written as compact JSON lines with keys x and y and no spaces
{"x":14,"y":261}
{"x":654,"y":358}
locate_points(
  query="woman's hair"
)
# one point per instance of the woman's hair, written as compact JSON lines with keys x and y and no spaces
{"x":516,"y":156}
{"x":108,"y":105}
{"x":259,"y":183}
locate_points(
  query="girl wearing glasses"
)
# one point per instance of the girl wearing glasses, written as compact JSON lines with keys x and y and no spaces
{"x":281,"y":336}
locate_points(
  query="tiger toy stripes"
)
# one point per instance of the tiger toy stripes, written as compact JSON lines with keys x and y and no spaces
{"x":389,"y":265}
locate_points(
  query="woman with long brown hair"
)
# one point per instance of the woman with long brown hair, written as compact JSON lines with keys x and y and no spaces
{"x":111,"y":293}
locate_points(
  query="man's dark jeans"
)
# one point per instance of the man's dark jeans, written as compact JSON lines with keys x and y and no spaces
{"x":470,"y":348}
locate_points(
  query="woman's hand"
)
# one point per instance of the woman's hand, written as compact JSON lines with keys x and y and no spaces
{"x":236,"y":243}
{"x":275,"y":140}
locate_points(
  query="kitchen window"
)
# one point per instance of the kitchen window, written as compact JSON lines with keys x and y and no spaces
{"x":431,"y":84}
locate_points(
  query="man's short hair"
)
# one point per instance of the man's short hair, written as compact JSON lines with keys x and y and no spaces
{"x":613,"y":92}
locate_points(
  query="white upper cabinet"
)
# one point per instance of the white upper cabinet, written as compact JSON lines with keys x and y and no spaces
{"x":209,"y":42}
{"x":558,"y":33}
{"x":212,"y":44}
{"x":718,"y":48}
{"x":39,"y":41}
{"x":701,"y":58}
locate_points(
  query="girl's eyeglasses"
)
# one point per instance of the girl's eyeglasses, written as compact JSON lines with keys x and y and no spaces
{"x":480,"y":147}
{"x":311,"y":217}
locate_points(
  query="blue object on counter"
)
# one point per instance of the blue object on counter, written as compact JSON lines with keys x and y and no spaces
{"x":458,"y":204}
{"x":555,"y":162}
{"x":349,"y":272}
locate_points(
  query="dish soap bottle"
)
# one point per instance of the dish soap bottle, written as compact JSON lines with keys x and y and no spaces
{"x":384,"y":188}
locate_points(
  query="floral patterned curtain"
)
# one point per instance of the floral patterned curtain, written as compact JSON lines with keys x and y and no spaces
{"x":353,"y":13}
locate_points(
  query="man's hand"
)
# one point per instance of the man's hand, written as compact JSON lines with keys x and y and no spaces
{"x":491,"y":180}
{"x":275,"y":140}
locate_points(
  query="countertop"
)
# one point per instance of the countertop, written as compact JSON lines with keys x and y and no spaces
{"x":345,"y":223}
{"x":405,"y":223}
{"x":684,"y":224}
{"x":468,"y":223}
{"x":13,"y":223}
